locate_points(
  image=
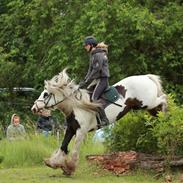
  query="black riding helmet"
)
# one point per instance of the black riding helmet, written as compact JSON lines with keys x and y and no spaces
{"x":90,"y":40}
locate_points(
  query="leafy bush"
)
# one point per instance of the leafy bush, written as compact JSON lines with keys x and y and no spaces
{"x":141,"y":132}
{"x":131,"y":133}
{"x":39,"y":39}
{"x":168,"y":129}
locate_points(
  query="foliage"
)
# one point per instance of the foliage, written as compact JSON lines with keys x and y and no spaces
{"x":141,"y":132}
{"x":169,"y":130}
{"x":131,"y":133}
{"x":38,"y":38}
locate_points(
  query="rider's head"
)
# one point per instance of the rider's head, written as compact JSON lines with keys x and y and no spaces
{"x":90,"y":42}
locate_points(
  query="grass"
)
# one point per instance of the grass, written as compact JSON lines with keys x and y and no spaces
{"x":27,"y":152}
{"x":23,"y":164}
{"x":84,"y":174}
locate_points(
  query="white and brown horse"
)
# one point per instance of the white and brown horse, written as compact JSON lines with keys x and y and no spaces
{"x":136,"y":92}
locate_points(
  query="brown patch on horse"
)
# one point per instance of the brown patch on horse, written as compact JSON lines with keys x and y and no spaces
{"x":121,"y":90}
{"x":121,"y":114}
{"x":134,"y":103}
{"x":130,"y":104}
{"x":155,"y":110}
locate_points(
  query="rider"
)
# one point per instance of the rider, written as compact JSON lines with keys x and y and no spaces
{"x":98,"y":72}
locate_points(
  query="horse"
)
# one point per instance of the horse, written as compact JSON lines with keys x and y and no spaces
{"x":135,"y":92}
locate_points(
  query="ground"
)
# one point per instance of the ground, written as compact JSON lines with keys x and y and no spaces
{"x":47,"y":175}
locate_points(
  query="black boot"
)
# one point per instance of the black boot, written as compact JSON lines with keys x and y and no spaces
{"x":103,"y":118}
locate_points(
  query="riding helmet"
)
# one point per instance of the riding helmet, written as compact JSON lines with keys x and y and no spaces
{"x":90,"y":40}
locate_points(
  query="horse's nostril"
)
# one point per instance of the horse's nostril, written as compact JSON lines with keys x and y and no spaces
{"x":33,"y":110}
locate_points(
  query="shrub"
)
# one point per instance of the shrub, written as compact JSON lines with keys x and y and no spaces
{"x":141,"y":132}
{"x":169,"y":130}
{"x":131,"y":133}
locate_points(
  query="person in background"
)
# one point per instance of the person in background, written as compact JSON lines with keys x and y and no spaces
{"x":15,"y":130}
{"x":45,"y":123}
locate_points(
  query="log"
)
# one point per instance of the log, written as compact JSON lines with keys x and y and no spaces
{"x":123,"y":162}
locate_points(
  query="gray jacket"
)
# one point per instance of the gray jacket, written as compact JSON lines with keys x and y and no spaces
{"x":98,"y":67}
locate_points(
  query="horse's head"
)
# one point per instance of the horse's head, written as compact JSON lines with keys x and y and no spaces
{"x":55,"y":92}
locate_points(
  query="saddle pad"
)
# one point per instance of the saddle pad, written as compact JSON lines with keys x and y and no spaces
{"x":111,"y":94}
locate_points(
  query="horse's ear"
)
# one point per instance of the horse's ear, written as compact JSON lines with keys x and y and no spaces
{"x":45,"y":82}
{"x":65,"y":70}
{"x":60,"y":74}
{"x":63,"y":78}
{"x":70,"y":82}
{"x":50,"y":87}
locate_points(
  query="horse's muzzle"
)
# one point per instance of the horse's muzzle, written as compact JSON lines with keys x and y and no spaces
{"x":34,"y":110}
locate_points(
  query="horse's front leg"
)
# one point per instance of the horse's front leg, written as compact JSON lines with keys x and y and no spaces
{"x":80,"y":135}
{"x":57,"y":160}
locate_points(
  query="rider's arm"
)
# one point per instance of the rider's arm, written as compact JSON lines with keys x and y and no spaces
{"x":96,"y":67}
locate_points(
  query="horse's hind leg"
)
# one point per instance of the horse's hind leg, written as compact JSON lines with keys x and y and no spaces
{"x":163,"y":102}
{"x":159,"y":105}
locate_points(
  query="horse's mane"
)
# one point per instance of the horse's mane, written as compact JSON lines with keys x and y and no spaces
{"x":78,"y":97}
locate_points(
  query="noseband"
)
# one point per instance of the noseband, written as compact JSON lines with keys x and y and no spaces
{"x":47,"y":99}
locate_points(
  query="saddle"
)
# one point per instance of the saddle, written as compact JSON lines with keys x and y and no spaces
{"x":109,"y":96}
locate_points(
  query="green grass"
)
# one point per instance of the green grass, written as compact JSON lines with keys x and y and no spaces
{"x":28,"y":152}
{"x":22,"y":163}
{"x":85,"y":173}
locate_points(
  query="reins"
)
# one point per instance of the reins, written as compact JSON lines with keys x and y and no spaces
{"x":48,"y":98}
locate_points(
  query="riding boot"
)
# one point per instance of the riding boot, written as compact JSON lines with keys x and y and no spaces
{"x":103,"y":118}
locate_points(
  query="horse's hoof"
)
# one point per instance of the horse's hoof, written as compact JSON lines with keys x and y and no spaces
{"x":47,"y":163}
{"x":70,"y":165}
{"x":66,"y":172}
{"x":69,"y":168}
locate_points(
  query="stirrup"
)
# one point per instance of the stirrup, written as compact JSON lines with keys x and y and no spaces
{"x":101,"y":123}
{"x":104,"y":122}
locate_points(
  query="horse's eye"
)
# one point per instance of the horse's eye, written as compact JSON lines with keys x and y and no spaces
{"x":45,"y":95}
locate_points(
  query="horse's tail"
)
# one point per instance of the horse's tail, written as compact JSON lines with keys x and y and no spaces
{"x":156,"y":79}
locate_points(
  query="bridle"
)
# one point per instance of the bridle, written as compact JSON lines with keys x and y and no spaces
{"x":47,"y":99}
